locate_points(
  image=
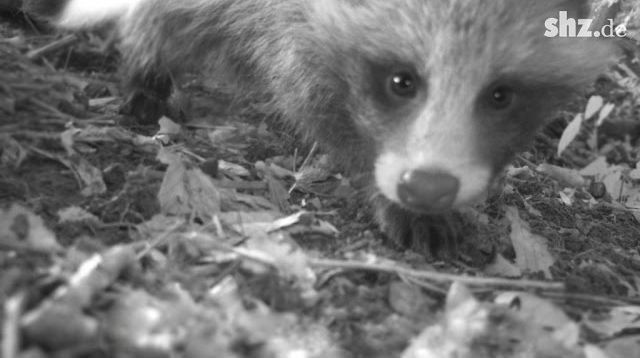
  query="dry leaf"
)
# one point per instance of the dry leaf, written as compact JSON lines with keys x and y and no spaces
{"x":604,"y":113}
{"x":614,"y":184}
{"x":472,"y":329}
{"x":570,"y":133}
{"x":168,"y":130}
{"x":75,"y":214}
{"x":591,"y":351}
{"x":623,"y":347}
{"x":594,"y":105}
{"x":188,"y":191}
{"x":532,"y":253}
{"x":539,"y":311}
{"x":502,"y":267}
{"x":20,"y":226}
{"x":619,"y":319}
{"x":408,"y":300}
{"x":233,"y":169}
{"x":567,"y":196}
{"x":598,"y":168}
{"x":278,"y":194}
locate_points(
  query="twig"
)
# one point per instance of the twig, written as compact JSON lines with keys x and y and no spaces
{"x":31,"y":134}
{"x":599,"y":301}
{"x":159,"y":240}
{"x":242,"y":185}
{"x":529,"y":164}
{"x":306,"y":162}
{"x":312,"y":152}
{"x":426,"y":285}
{"x":435,"y":276}
{"x":52,"y":47}
{"x":53,"y":110}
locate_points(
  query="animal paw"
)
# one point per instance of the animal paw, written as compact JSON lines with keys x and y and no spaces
{"x":148,"y":95}
{"x":146,"y":108}
{"x":435,"y":235}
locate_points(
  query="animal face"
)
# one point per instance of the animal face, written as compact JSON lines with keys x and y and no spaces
{"x":449,"y":91}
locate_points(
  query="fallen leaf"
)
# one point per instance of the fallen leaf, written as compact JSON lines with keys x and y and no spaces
{"x":614,"y":184}
{"x":532,"y":253}
{"x":233,"y":169}
{"x":187,"y":190}
{"x":537,"y":310}
{"x":591,"y":351}
{"x":60,"y":326}
{"x":567,"y":196}
{"x":75,"y":214}
{"x":277,"y":192}
{"x":604,"y":113}
{"x":408,"y":300}
{"x":618,"y":320}
{"x":89,"y":177}
{"x":473,"y":329}
{"x":570,"y":133}
{"x":19,"y":225}
{"x":594,"y":105}
{"x":623,"y":347}
{"x":168,"y":130}
{"x":598,"y":168}
{"x":634,"y":174}
{"x":502,"y":267}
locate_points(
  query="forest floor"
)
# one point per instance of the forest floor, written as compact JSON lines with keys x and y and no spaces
{"x":226,"y":236}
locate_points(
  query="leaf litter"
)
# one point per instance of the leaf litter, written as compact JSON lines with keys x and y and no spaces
{"x":219,"y":238}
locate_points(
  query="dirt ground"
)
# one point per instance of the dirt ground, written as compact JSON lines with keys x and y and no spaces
{"x":226,"y":236}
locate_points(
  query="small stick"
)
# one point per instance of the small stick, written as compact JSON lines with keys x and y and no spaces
{"x":434,"y":276}
{"x":306,"y":162}
{"x":54,"y":46}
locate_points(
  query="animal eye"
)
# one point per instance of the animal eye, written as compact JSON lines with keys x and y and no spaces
{"x":501,"y":97}
{"x":403,"y":84}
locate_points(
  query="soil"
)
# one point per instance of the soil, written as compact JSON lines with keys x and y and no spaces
{"x":44,"y":98}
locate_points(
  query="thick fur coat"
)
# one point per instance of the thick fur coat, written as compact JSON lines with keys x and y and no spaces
{"x":430,"y":98}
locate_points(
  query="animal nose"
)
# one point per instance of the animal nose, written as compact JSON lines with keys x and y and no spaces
{"x":428,"y":191}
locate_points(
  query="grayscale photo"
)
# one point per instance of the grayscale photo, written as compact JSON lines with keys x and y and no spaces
{"x":320,"y":178}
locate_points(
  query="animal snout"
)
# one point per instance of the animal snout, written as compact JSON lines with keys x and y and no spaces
{"x":428,"y":190}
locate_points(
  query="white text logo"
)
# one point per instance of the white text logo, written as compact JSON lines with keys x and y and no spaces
{"x":564,"y":26}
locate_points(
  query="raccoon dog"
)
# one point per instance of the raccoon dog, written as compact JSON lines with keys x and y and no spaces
{"x":429,"y":98}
